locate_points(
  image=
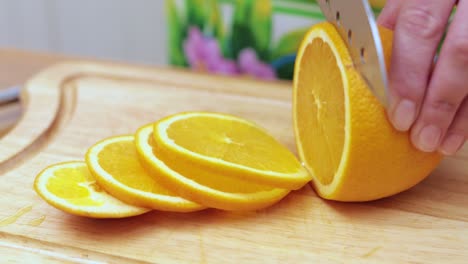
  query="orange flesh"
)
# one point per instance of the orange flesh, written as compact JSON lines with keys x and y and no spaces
{"x":214,"y":181}
{"x":121,"y":161}
{"x":321,"y":126}
{"x":70,"y":184}
{"x":236,"y":143}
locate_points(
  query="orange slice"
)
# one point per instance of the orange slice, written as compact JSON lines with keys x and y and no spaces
{"x":227,"y":145}
{"x":115,"y":165}
{"x":342,"y":131}
{"x":71,"y":187}
{"x":213,"y":190}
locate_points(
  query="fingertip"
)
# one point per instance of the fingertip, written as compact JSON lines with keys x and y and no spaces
{"x":427,"y":138}
{"x":452,"y":144}
{"x":404,"y":115}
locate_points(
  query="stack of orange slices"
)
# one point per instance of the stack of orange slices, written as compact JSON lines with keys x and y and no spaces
{"x":182,"y":163}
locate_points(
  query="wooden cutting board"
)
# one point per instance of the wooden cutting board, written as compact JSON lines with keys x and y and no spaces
{"x":69,"y":107}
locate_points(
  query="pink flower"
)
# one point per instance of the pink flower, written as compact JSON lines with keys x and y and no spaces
{"x":204,"y":53}
{"x":250,"y":64}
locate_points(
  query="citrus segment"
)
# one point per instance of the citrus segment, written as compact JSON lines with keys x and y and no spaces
{"x":115,"y":165}
{"x":213,"y":190}
{"x":228,"y":145}
{"x":71,"y":187}
{"x":342,"y":132}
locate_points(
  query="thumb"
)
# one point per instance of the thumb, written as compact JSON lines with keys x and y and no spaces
{"x":390,"y":13}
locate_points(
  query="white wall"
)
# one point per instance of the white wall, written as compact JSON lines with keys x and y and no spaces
{"x":126,"y":30}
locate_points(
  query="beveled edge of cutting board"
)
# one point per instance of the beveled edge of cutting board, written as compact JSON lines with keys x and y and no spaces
{"x":56,"y":82}
{"x":24,"y":140}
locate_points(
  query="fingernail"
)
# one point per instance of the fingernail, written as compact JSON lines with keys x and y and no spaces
{"x":452,"y":144}
{"x":404,"y":115}
{"x":429,"y":138}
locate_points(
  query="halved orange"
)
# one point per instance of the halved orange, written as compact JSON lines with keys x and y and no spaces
{"x":227,"y":145}
{"x":115,"y":165}
{"x":342,"y":132}
{"x":213,"y":190}
{"x":71,"y":187}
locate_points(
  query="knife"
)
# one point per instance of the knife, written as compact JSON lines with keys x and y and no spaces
{"x":9,"y":95}
{"x":356,"y":24}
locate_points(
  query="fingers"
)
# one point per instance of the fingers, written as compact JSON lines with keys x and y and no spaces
{"x":389,"y":14}
{"x":447,"y":90}
{"x":418,"y":30}
{"x":458,"y":131}
{"x":437,"y":110}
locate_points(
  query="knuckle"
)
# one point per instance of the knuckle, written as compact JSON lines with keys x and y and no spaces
{"x":443,"y":106}
{"x":409,"y":83}
{"x":459,"y":49}
{"x":463,"y":116}
{"x":420,"y":21}
{"x":461,"y":123}
{"x":461,"y":126}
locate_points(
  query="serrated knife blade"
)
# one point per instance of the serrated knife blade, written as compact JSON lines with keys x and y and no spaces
{"x":356,"y":24}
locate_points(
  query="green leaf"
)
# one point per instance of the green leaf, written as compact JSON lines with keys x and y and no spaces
{"x":261,"y":25}
{"x":252,"y":27}
{"x":177,"y":32}
{"x":196,"y":12}
{"x":206,"y":15}
{"x":289,"y":43}
{"x":214,"y":24}
{"x":241,"y":33}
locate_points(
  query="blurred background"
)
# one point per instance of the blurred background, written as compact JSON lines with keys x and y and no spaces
{"x":246,"y":38}
{"x":121,"y":30}
{"x":262,"y":33}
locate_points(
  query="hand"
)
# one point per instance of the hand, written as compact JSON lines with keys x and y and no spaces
{"x":429,"y":99}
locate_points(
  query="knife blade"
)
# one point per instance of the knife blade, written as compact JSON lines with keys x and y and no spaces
{"x":9,"y":94}
{"x":356,"y":24}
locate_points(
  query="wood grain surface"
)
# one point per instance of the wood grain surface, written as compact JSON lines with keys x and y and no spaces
{"x":69,"y":107}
